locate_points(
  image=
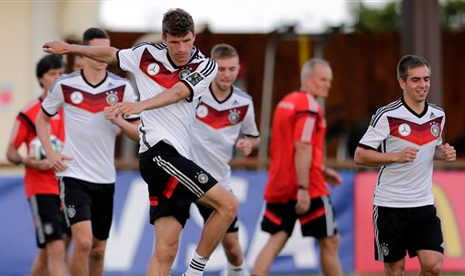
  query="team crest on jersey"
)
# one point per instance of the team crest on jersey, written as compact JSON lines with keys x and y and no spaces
{"x":202,"y":111}
{"x":234,"y":116}
{"x":76,"y":97}
{"x":385,"y":249}
{"x":71,"y":211}
{"x":184,"y":73}
{"x":202,"y":177}
{"x":153,"y":69}
{"x":404,"y":129}
{"x":112,"y":97}
{"x":434,"y":129}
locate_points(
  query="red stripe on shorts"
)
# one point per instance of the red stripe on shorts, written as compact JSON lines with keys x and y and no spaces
{"x":153,"y":200}
{"x":170,"y":186}
{"x":312,"y":216}
{"x":273,"y":217}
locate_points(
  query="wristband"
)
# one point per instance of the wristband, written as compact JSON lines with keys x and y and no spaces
{"x":302,"y":187}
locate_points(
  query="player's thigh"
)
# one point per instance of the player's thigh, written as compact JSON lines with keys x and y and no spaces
{"x":425,"y":233}
{"x":218,"y":198}
{"x":167,"y":232}
{"x":320,"y":219}
{"x":102,"y":210}
{"x":279,"y":217}
{"x":82,"y":233}
{"x":48,"y":218}
{"x":430,"y":259}
{"x":77,"y":196}
{"x":391,"y":227}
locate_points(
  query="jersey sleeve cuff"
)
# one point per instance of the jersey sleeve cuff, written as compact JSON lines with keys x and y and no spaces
{"x":191,"y":90}
{"x":119,"y":63}
{"x":366,"y":147}
{"x":48,"y":114}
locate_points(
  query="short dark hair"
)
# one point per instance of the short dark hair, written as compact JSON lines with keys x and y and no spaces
{"x":222,"y":51}
{"x":410,"y":61}
{"x":48,"y":62}
{"x":93,"y":33}
{"x":177,"y":23}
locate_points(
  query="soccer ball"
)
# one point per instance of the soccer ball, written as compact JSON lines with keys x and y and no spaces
{"x":37,"y":151}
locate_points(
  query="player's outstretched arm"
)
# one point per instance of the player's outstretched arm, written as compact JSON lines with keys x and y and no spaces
{"x":98,"y":53}
{"x":178,"y":92}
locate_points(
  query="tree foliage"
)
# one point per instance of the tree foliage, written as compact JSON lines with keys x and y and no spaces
{"x":387,"y":18}
{"x":453,"y":15}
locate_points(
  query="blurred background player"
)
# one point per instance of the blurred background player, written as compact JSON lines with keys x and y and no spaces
{"x":409,"y":135}
{"x":224,"y":114}
{"x":86,"y":164}
{"x":296,"y":187}
{"x":41,"y":184}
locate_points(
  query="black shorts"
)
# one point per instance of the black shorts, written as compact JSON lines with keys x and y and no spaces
{"x":318,"y":222}
{"x":174,"y":182}
{"x":401,"y":230}
{"x":49,"y":219}
{"x":206,"y":212}
{"x":89,"y":201}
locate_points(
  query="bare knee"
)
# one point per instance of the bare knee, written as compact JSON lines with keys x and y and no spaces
{"x":83,"y":245}
{"x":166,"y":250}
{"x":431,"y":269}
{"x":228,"y":206}
{"x":234,"y":254}
{"x":330,"y":244}
{"x":394,"y":269}
{"x":97,"y":253}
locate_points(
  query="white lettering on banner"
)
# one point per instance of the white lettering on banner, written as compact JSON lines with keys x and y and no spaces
{"x":218,"y":260}
{"x":301,"y":249}
{"x":125,"y":237}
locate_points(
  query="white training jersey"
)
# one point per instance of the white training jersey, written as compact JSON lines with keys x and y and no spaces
{"x":393,"y":128}
{"x":90,"y":137}
{"x":216,"y":129}
{"x":155,"y":72}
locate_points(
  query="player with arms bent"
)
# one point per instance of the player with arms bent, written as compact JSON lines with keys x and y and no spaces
{"x":86,"y":164}
{"x":404,"y":137}
{"x":296,"y":188}
{"x":225,"y":113}
{"x":171,"y":77}
{"x":40,"y":182}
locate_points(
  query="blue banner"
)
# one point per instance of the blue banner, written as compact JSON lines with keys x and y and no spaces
{"x":131,"y":239}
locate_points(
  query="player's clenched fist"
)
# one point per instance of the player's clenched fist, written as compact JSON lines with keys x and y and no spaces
{"x":55,"y":47}
{"x":449,"y":152}
{"x":126,"y":109}
{"x":407,"y":155}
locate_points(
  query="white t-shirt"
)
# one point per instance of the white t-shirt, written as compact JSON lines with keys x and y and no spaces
{"x":393,"y":128}
{"x":90,"y":137}
{"x":217,"y":128}
{"x":155,"y":72}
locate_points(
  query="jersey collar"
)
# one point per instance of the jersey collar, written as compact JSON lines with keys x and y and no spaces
{"x":214,"y":97}
{"x":425,"y":110}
